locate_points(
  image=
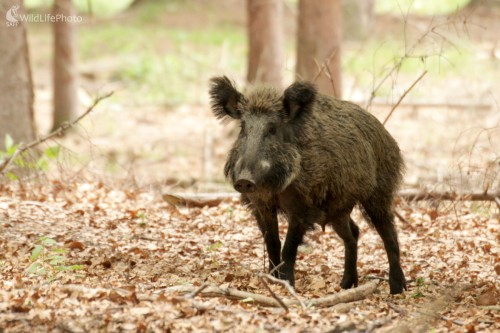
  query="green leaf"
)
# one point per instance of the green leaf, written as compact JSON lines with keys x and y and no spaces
{"x":11,"y":176}
{"x":42,"y":164}
{"x":417,"y":294}
{"x":20,"y":162}
{"x":214,"y":246}
{"x":41,"y":239}
{"x":48,"y":241}
{"x":52,"y":152}
{"x":9,"y":142}
{"x":56,"y":260}
{"x":34,"y":267}
{"x":70,"y":268}
{"x":36,"y":252}
{"x":12,"y":150}
{"x":420,"y":281}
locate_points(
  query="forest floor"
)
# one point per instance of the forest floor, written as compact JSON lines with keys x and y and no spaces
{"x":108,"y":259}
{"x":93,"y":246}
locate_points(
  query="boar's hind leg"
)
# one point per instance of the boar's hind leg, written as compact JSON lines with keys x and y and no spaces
{"x":268,"y":225}
{"x":345,"y":227}
{"x":379,"y":212}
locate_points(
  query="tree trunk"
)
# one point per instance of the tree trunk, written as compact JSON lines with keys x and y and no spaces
{"x":65,"y":70}
{"x":318,"y":44}
{"x":16,"y":85}
{"x":266,"y":43}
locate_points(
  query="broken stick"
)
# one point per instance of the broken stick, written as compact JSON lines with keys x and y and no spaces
{"x":344,"y":296}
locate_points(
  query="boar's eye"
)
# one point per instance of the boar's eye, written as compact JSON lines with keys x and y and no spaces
{"x":271,"y":130}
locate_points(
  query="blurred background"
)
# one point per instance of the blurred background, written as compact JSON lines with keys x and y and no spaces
{"x":428,"y":68}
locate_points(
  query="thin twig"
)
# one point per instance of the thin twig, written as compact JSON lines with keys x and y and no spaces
{"x":403,"y":96}
{"x":58,"y":132}
{"x":197,"y":291}
{"x":288,"y":287}
{"x":280,"y":302}
{"x":324,"y":65}
{"x":329,"y":75}
{"x":402,"y":218}
{"x":276,"y":267}
{"x":456,"y":322}
{"x":372,"y":277}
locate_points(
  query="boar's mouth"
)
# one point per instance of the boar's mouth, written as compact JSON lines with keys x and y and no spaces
{"x":273,"y":173}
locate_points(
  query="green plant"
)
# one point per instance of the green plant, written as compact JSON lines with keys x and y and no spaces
{"x":25,"y":161}
{"x":214,"y":246}
{"x":142,"y":219}
{"x":420,"y":282}
{"x":49,"y":260}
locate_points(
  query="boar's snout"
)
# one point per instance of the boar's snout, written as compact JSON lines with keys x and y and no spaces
{"x":245,"y":183}
{"x":244,"y":186}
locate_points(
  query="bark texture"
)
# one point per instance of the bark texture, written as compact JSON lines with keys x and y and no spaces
{"x":265,"y":37}
{"x":16,"y":86}
{"x":319,"y":37}
{"x":65,"y":68}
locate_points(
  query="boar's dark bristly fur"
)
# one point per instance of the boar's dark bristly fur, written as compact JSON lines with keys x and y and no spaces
{"x":313,"y":158}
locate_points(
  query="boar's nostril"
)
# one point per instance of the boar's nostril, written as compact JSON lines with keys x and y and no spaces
{"x":244,"y":186}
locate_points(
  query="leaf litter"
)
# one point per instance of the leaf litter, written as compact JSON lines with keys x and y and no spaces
{"x":132,"y":246}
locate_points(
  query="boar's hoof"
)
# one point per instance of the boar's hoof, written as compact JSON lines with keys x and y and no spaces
{"x":244,"y":186}
{"x":397,"y":283}
{"x":348,"y":282}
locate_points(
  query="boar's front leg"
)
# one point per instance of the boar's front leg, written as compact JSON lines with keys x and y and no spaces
{"x":294,"y":236}
{"x":268,"y":224}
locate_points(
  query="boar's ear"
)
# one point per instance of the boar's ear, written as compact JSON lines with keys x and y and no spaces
{"x":298,"y":98}
{"x":224,"y":98}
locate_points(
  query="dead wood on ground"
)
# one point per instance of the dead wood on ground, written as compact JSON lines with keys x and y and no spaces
{"x":214,"y":199}
{"x":344,"y":296}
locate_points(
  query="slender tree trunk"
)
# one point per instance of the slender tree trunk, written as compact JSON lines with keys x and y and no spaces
{"x":16,"y":85}
{"x":266,"y":43}
{"x":318,"y":44}
{"x":65,"y":69}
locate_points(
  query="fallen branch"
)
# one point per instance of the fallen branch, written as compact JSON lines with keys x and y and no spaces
{"x":214,"y":199}
{"x":287,"y":285}
{"x":231,"y":293}
{"x":344,"y":296}
{"x":197,"y":291}
{"x":273,"y":294}
{"x":58,"y":132}
{"x":197,"y":199}
{"x":410,"y":195}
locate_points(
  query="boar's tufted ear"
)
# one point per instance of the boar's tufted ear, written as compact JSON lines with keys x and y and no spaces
{"x":298,"y":98}
{"x":224,"y":98}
